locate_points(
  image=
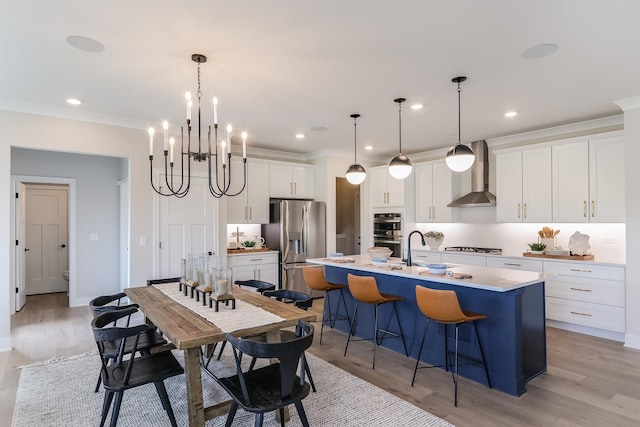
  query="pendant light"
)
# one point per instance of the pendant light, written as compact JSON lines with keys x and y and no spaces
{"x":459,"y":157}
{"x":400,"y":166}
{"x":356,"y":173}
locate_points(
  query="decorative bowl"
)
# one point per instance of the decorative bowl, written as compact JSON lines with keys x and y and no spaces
{"x":379,"y":254}
{"x":437,"y":268}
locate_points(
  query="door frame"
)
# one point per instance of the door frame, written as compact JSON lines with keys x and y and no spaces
{"x":14,"y":254}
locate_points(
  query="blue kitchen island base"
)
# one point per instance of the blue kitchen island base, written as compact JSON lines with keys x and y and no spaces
{"x":513,"y":337}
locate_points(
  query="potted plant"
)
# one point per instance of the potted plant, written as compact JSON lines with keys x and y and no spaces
{"x":537,"y":248}
{"x":434,"y":239}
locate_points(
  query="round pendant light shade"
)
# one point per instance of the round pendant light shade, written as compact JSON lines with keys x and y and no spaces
{"x":460,"y":157}
{"x":356,"y":173}
{"x":400,"y":166}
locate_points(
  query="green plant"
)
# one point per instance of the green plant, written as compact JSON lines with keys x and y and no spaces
{"x":248,"y":243}
{"x":434,"y":234}
{"x":537,"y":246}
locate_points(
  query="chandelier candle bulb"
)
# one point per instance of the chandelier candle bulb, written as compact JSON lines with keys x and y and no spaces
{"x":165,"y":127}
{"x":187,"y":96}
{"x":215,"y":110}
{"x":171,"y":142}
{"x":151,"y":141}
{"x":244,"y":145}
{"x":222,"y":145}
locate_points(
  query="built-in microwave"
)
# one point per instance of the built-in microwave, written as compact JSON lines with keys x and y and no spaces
{"x":388,"y":233}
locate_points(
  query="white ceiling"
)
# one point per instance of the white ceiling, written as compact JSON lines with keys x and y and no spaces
{"x":285,"y":66}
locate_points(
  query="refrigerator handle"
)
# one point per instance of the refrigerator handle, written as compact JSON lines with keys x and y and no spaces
{"x":305,"y":225}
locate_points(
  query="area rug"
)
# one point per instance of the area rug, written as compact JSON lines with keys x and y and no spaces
{"x":60,"y":393}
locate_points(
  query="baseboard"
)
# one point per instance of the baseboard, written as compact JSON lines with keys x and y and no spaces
{"x":5,"y":344}
{"x":632,"y":341}
{"x":600,"y":333}
{"x":79,"y":302}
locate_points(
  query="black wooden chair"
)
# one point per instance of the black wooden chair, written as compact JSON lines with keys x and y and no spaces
{"x":259,"y":285}
{"x":273,"y":386}
{"x":146,"y":341}
{"x":121,"y":374}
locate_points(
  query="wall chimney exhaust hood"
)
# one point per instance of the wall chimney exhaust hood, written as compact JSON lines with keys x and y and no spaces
{"x":480,"y":195}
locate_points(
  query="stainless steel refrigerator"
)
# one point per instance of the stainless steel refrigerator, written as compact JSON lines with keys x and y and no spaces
{"x":297,"y":229}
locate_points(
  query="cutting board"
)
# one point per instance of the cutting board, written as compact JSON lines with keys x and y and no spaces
{"x":246,"y":251}
{"x":569,"y":257}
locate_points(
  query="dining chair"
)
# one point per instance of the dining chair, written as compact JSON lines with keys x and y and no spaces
{"x":442,"y":306}
{"x":271,"y":387}
{"x":146,"y":341}
{"x":124,"y":374}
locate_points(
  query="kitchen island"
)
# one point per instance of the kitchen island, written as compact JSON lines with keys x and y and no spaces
{"x":513,"y":336}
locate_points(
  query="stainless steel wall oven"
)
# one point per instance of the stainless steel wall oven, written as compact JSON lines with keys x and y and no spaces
{"x":388,"y":232}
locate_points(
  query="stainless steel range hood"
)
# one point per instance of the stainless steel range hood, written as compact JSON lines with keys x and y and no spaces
{"x":480,"y":195}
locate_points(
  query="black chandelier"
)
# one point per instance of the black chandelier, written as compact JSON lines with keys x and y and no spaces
{"x":218,"y":186}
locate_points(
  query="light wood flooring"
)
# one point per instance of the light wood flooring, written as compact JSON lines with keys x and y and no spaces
{"x":590,"y":381}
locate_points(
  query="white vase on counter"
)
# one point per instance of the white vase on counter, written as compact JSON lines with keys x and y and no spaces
{"x":434,"y":243}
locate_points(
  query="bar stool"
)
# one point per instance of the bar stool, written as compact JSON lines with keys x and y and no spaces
{"x":365,"y":289}
{"x":442,"y":306}
{"x":314,"y":278}
{"x":259,"y":285}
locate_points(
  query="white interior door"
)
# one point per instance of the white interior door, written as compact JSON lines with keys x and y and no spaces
{"x":20,"y":212}
{"x":46,"y":241}
{"x":187,"y":225}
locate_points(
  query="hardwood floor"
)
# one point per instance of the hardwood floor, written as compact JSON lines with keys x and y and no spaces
{"x":590,"y":381}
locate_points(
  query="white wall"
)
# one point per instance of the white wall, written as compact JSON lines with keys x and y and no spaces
{"x":97,"y":212}
{"x":45,"y":133}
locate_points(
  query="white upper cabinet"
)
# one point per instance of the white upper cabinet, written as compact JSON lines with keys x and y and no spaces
{"x":606,"y":180}
{"x":252,"y":205}
{"x":292,"y":181}
{"x":385,"y":190}
{"x":433,"y":192}
{"x":523,"y":185}
{"x":588,"y":181}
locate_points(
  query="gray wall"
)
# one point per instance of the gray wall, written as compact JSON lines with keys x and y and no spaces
{"x":97,"y":211}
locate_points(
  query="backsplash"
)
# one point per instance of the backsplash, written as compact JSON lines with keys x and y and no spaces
{"x":607,"y":241}
{"x":249,"y":230}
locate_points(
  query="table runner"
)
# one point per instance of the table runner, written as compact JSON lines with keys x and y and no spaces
{"x":244,"y":316}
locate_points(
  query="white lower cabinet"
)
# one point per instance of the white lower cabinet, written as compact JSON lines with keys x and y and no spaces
{"x":426,"y":257}
{"x":514,"y":263}
{"x":465,"y":259}
{"x":258,"y":266}
{"x":587,"y":295}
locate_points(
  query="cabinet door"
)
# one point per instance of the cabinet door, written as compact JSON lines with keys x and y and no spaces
{"x":244,"y":272}
{"x":509,"y":187}
{"x":606,"y":178}
{"x":280,"y":183}
{"x":378,"y":187}
{"x":258,"y":194}
{"x":304,"y":182}
{"x":424,"y":193}
{"x":536,"y":185}
{"x":570,"y":163}
{"x":395,"y":191}
{"x":441,"y":192}
{"x":268,"y":273}
{"x":237,"y":210}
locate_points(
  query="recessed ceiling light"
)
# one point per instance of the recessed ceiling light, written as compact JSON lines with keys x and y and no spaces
{"x":300,"y":135}
{"x":511,"y":114}
{"x":540,"y":51}
{"x":85,"y":43}
{"x":368,"y":147}
{"x":74,"y":101}
{"x":417,"y":107}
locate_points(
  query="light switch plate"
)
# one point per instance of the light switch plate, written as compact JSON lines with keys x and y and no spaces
{"x":93,"y":237}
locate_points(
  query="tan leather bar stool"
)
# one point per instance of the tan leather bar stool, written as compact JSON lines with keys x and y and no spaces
{"x":365,"y":289}
{"x":442,"y":306}
{"x":314,"y":278}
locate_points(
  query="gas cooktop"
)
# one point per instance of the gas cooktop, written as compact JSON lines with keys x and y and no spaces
{"x":474,"y":249}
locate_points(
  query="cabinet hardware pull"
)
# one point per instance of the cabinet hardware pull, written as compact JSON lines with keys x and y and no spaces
{"x":256,"y":259}
{"x":581,"y":271}
{"x":250,"y":212}
{"x":593,"y":208}
{"x":434,"y":212}
{"x":525,"y":211}
{"x":295,"y":188}
{"x":581,"y":314}
{"x":245,"y":213}
{"x":429,"y":212}
{"x":513,"y":263}
{"x":584,"y":208}
{"x":518,"y":210}
{"x":581,"y":290}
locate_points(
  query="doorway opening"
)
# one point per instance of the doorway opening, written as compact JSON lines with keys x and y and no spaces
{"x":347,"y":217}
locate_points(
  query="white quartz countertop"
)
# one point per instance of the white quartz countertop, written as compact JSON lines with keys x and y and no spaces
{"x":487,"y":278}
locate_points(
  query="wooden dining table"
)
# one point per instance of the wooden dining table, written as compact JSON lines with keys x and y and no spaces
{"x":189,"y":332}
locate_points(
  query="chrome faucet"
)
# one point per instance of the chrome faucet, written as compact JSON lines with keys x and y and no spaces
{"x":409,"y":245}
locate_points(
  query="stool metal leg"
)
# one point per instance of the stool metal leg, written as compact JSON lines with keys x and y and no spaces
{"x":424,"y":335}
{"x":375,"y":337}
{"x":395,"y":308}
{"x":484,"y":362}
{"x":353,"y":321}
{"x":455,"y":380}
